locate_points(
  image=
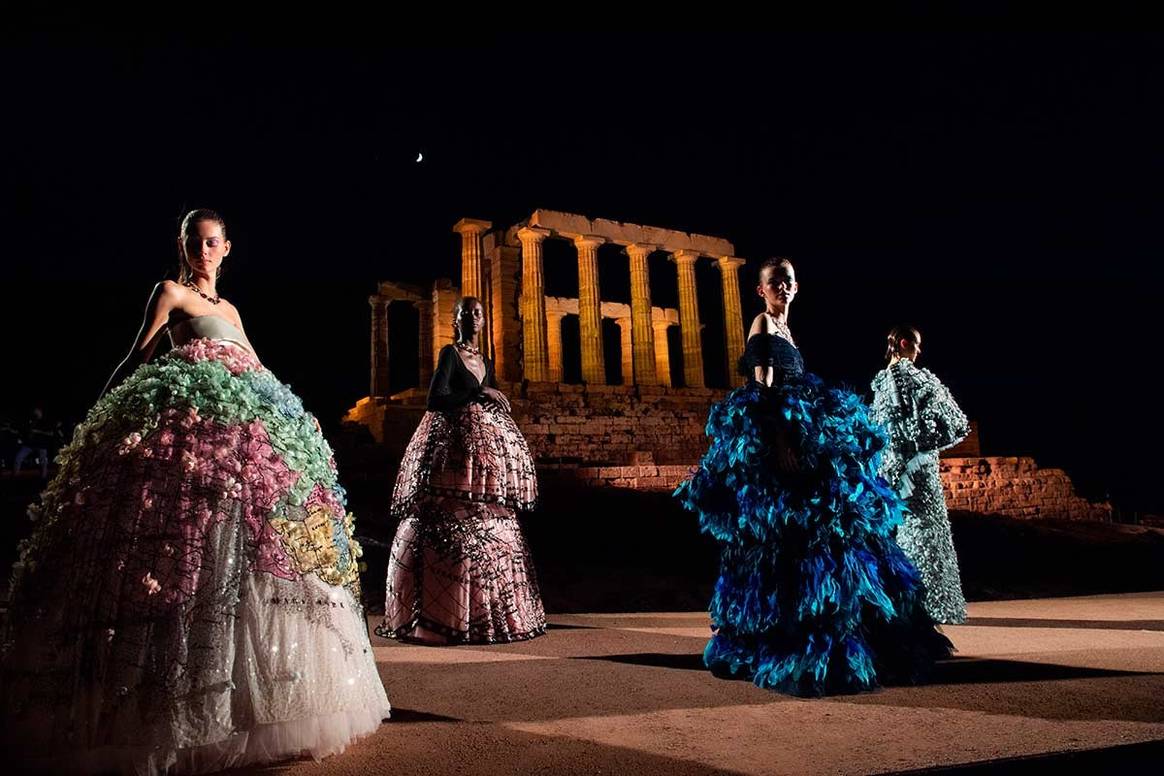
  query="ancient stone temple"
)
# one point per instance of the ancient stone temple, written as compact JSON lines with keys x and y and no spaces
{"x":505,"y":269}
{"x":630,"y":403}
{"x":634,"y":414}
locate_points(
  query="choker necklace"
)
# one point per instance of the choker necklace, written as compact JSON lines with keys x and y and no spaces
{"x":781,"y":327}
{"x":212,"y":299}
{"x":465,"y":346}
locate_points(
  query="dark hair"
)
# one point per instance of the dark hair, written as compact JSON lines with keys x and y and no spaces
{"x":896,"y":335}
{"x":458,"y":308}
{"x":188,"y":221}
{"x":774,"y":262}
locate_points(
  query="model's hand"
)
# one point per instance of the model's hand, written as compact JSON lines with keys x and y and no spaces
{"x":496,"y":397}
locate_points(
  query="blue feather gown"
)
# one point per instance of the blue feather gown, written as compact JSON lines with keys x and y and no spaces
{"x":814,"y":596}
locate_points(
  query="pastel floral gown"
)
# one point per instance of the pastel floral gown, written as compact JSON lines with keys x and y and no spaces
{"x":189,"y":599}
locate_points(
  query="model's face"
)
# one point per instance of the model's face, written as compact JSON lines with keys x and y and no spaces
{"x":471,"y":320}
{"x":778,"y":286}
{"x":205,"y":248}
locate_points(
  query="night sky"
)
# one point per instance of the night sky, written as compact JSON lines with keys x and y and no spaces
{"x":1000,"y":191}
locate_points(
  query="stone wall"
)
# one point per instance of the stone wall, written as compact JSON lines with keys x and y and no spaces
{"x":607,"y":425}
{"x":1015,"y":487}
{"x":599,"y":425}
{"x":650,"y":437}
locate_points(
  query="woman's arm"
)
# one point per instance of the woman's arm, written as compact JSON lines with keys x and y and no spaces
{"x":165,"y":298}
{"x":763,"y":374}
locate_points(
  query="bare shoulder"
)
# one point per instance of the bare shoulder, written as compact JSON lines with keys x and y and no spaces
{"x":167,"y":295}
{"x":231,"y":311}
{"x":171,"y":289}
{"x":759,"y":325}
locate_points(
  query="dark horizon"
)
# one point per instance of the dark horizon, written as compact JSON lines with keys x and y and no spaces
{"x":999,"y":191}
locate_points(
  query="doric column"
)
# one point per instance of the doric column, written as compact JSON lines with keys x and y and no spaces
{"x":642,"y":333}
{"x":590,"y":309}
{"x":472,"y":261}
{"x":444,"y":298}
{"x":533,"y":305}
{"x":554,"y":343}
{"x":733,"y":314}
{"x":379,"y":383}
{"x":624,"y":331}
{"x":662,"y":352}
{"x":689,"y":326}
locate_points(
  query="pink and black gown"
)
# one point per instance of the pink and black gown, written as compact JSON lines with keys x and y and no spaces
{"x":460,"y":570}
{"x":189,"y":598}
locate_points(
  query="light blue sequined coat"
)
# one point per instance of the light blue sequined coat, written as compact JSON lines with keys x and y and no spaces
{"x":921,"y":418}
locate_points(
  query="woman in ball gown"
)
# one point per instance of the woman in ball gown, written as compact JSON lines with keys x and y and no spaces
{"x":813,"y":595}
{"x":921,"y":418}
{"x":189,"y":598}
{"x":460,"y":570}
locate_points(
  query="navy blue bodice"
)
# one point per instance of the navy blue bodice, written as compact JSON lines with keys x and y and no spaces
{"x":770,"y":350}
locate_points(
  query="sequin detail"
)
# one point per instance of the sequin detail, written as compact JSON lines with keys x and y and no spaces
{"x":921,"y":417}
